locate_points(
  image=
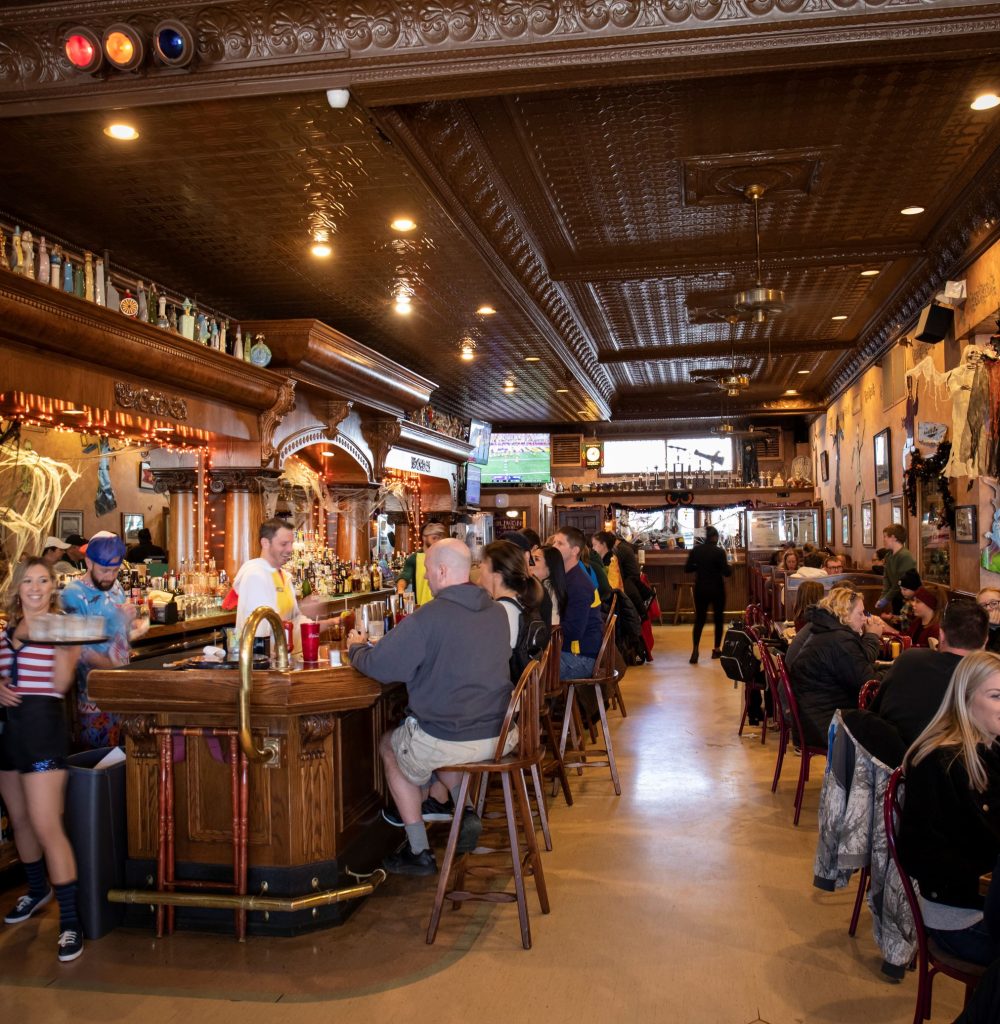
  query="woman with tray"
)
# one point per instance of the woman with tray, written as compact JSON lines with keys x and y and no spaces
{"x":34,"y":678}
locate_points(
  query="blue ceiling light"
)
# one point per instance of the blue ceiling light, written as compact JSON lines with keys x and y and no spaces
{"x":173,"y":44}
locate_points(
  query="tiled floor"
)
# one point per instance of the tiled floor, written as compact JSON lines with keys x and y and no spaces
{"x":688,"y":899}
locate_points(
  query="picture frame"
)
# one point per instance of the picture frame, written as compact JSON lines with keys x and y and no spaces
{"x":882,"y":443}
{"x":824,"y":467}
{"x":132,"y":523}
{"x":69,"y":521}
{"x":897,"y":511}
{"x":966,"y":524}
{"x":147,"y":482}
{"x":828,"y":531}
{"x":868,"y":523}
{"x":845,"y":525}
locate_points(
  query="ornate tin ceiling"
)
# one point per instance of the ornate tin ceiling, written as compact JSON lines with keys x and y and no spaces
{"x":605,"y":222}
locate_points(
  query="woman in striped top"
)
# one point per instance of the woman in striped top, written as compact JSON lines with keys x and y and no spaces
{"x":33,"y":749}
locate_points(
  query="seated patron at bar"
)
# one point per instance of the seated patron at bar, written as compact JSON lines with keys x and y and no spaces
{"x":830,"y":661}
{"x":551,"y":573}
{"x":897,"y":562}
{"x":989,"y":600}
{"x":98,"y":592}
{"x":413,"y":575}
{"x":453,"y":655}
{"x":581,"y":624}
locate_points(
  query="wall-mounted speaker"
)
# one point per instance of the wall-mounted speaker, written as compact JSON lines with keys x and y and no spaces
{"x":934,"y":323}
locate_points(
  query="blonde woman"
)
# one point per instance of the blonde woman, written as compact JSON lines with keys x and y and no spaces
{"x":950,"y":830}
{"x":33,"y":746}
{"x":829,"y":662}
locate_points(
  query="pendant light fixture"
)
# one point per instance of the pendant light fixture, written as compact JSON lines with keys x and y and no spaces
{"x":759,"y":302}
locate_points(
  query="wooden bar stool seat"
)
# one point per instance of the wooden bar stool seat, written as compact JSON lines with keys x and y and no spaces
{"x":682,"y":592}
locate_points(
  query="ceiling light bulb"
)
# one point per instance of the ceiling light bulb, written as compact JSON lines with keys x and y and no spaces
{"x":486,"y":311}
{"x":987,"y":101}
{"x":468,"y":351}
{"x":581,"y":412}
{"x":403,"y":224}
{"x":869,"y":273}
{"x":840,"y":316}
{"x":321,"y":249}
{"x":532,"y":359}
{"x":562,"y":391}
{"x":802,"y":371}
{"x":911,"y":211}
{"x":327,"y":455}
{"x":790,"y":391}
{"x":508,"y":385}
{"x":403,"y":299}
{"x":121,"y":132}
{"x":338,"y":98}
{"x":403,"y":308}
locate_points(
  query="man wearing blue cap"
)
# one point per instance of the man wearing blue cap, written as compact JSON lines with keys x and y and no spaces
{"x":98,"y":592}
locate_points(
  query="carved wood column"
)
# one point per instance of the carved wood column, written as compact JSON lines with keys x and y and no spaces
{"x":352,"y":542}
{"x":244,"y":512}
{"x":180,"y":485}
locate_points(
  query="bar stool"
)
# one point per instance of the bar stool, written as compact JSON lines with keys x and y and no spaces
{"x":551,"y":690}
{"x":682,"y":590}
{"x":525,"y":707}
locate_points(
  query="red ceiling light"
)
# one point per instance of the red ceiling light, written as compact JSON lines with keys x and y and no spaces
{"x":123,"y":47}
{"x":83,"y":49}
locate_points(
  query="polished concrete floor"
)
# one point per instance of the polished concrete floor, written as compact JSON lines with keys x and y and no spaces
{"x":688,"y":899}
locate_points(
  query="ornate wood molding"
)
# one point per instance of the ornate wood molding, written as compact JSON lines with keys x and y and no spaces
{"x":381,"y":434}
{"x":267,"y":421}
{"x":337,"y":410}
{"x":137,"y":727}
{"x":315,"y":728}
{"x":174,"y":480}
{"x":240,"y":478}
{"x":155,"y":403}
{"x":416,"y":438}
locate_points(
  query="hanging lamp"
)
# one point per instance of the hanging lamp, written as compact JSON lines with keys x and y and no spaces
{"x":759,"y":302}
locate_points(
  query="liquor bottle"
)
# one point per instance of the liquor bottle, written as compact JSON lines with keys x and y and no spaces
{"x":201,"y":328}
{"x":223,"y":340}
{"x":238,"y":343}
{"x":88,"y":276}
{"x":153,"y":304}
{"x":55,"y":268}
{"x":67,"y":280}
{"x":143,"y":300}
{"x":213,"y":334}
{"x":4,"y":262}
{"x":28,"y":248}
{"x":17,"y":259}
{"x":79,"y":283}
{"x":44,"y":267}
{"x":187,"y":321}
{"x":161,"y":313}
{"x":172,"y":319}
{"x":99,"y":297}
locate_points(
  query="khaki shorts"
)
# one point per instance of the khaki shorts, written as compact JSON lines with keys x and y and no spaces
{"x":418,"y":753}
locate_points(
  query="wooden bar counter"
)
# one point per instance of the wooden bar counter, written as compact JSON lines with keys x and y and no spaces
{"x":665,"y":571}
{"x":313,"y":814}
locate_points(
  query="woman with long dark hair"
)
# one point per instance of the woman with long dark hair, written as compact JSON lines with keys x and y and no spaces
{"x":551,"y":573}
{"x":503,"y":574}
{"x":34,"y":744}
{"x":710,"y":566}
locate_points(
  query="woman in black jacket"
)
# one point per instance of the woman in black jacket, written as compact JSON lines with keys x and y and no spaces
{"x":950,"y":830}
{"x":710,"y":566}
{"x":830,"y":661}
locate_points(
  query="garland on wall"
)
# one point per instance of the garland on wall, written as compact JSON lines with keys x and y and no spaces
{"x":931,"y":472}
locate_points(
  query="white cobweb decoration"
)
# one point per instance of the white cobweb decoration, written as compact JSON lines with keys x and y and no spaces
{"x":31,"y":490}
{"x":356,"y":504}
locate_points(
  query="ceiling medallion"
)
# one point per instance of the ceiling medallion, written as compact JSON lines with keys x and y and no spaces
{"x":759,"y":302}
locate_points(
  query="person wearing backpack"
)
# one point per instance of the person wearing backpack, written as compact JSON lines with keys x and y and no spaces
{"x":504,"y":576}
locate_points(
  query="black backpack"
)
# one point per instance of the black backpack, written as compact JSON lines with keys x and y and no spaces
{"x":739,"y":659}
{"x":533,"y":635}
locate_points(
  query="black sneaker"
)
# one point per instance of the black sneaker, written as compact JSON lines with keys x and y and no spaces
{"x":406,"y":862}
{"x":433,"y":810}
{"x":391,"y":816}
{"x":70,"y":945}
{"x":469,"y":831}
{"x":26,"y":906}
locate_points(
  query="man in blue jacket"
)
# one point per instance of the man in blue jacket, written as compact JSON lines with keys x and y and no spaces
{"x":453,"y":655}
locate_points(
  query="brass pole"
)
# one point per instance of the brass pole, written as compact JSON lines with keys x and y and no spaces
{"x":256,"y":617}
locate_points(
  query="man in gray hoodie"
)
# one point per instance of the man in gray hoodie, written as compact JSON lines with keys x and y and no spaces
{"x":453,"y":655}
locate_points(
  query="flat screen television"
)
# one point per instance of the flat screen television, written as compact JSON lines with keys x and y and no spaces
{"x":479,"y":436}
{"x":469,"y":484}
{"x":518,"y":459}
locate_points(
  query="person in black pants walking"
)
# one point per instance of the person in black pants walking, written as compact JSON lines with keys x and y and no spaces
{"x":710,"y":566}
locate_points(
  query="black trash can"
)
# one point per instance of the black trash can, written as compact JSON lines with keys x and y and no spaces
{"x":95,"y":824}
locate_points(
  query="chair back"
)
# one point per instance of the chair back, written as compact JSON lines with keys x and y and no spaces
{"x":892,"y":809}
{"x":614,"y":603}
{"x":773,"y":677}
{"x":604,"y":663}
{"x":868,"y":693}
{"x":551,"y":686}
{"x":523,"y":708}
{"x":788,"y":701}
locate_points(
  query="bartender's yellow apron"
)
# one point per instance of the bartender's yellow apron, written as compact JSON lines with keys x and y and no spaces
{"x":421,"y":588}
{"x":285,"y":596}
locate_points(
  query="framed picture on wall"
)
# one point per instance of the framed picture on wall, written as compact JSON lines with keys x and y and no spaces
{"x":147,"y":482}
{"x":883,"y":462}
{"x":828,"y":531}
{"x":824,"y":467}
{"x":965,"y":524}
{"x":868,"y":523}
{"x":845,"y":526}
{"x":132,"y":523}
{"x":68,"y":522}
{"x":896,"y":513}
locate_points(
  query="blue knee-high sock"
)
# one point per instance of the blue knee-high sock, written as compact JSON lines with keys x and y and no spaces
{"x":66,"y":895}
{"x":38,"y":884}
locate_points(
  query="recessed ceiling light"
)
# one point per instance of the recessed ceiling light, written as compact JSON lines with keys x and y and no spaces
{"x":911,"y":211}
{"x":869,"y":273}
{"x":509,"y":386}
{"x":467,"y":350}
{"x":790,"y":391}
{"x":562,"y":391}
{"x":486,"y":311}
{"x":321,"y":249}
{"x":581,"y":412}
{"x":122,"y":132}
{"x":839,"y":316}
{"x":802,"y":371}
{"x":532,"y":359}
{"x":328,"y":455}
{"x":403,"y":308}
{"x":403,"y":224}
{"x":987,"y":101}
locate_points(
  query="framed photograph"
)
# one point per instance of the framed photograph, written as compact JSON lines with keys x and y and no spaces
{"x":868,"y":523}
{"x":845,"y":526}
{"x":896,"y":513}
{"x":828,"y":531}
{"x":132,"y":523}
{"x":883,"y":462}
{"x":824,"y":467}
{"x":965,"y":524}
{"x":935,"y":536}
{"x":147,"y":482}
{"x":68,"y":522}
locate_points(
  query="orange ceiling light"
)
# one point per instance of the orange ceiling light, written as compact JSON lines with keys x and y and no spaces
{"x":123,"y":47}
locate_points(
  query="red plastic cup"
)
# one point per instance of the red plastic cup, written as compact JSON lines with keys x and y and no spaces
{"x":289,"y":635}
{"x":309,"y":632}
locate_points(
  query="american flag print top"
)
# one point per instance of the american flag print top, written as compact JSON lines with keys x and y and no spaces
{"x":30,"y":669}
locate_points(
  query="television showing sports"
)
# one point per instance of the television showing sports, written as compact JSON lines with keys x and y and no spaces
{"x":518,"y":459}
{"x":479,"y":435}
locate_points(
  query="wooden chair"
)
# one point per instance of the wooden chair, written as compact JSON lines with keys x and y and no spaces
{"x":525,"y":707}
{"x":931,"y":960}
{"x":682,"y":590}
{"x":603,"y":676}
{"x":552,"y":690}
{"x":751,"y":687}
{"x":773,"y":677}
{"x":866,"y":696}
{"x":808,"y":752}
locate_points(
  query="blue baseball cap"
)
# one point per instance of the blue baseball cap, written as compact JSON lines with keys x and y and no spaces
{"x":107,"y":549}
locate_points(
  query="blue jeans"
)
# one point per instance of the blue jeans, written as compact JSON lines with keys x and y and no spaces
{"x":974,"y":944}
{"x":575,"y":666}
